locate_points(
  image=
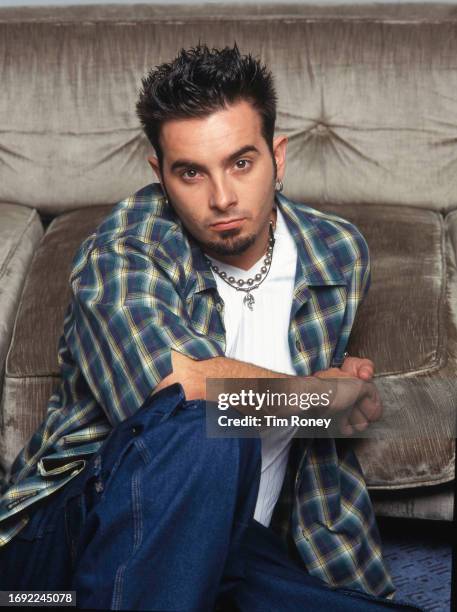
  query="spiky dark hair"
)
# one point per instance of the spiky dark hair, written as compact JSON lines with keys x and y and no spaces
{"x":200,"y":81}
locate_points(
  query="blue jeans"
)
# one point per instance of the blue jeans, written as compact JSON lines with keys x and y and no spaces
{"x":161,"y":519}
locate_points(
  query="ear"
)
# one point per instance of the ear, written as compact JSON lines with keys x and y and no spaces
{"x":279,"y":152}
{"x":154,"y":163}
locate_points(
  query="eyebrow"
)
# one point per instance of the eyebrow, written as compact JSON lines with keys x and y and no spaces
{"x":186,"y":163}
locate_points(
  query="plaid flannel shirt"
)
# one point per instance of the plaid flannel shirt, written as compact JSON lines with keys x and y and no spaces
{"x":140,"y":286}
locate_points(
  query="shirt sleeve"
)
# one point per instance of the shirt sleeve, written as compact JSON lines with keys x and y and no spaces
{"x":126,"y":316}
{"x":357,"y":272}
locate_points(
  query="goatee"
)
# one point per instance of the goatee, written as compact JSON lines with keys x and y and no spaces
{"x":229,"y":245}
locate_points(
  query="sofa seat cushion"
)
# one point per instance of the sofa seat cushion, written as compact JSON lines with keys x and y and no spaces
{"x":403,"y":320}
{"x":20,"y":233}
{"x":408,"y":326}
{"x":47,"y":294}
{"x":405,"y":326}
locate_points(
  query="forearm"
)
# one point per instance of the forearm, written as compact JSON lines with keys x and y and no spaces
{"x":347,"y":390}
{"x":192,"y":374}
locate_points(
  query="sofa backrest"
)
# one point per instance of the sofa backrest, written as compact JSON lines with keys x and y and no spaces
{"x":367,"y":96}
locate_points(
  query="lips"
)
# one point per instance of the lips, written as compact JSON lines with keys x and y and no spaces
{"x":226,"y":225}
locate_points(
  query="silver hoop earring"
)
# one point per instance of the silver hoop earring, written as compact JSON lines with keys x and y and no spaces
{"x":279,"y":186}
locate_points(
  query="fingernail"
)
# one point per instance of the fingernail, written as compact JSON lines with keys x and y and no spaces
{"x":361,"y":426}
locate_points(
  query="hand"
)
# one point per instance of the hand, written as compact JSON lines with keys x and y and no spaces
{"x":356,"y":398}
{"x":358,"y":367}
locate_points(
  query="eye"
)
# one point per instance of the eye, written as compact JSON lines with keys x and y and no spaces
{"x":190,"y":173}
{"x":242,"y":164}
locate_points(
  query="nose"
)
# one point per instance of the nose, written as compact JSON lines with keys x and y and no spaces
{"x":222,"y":195}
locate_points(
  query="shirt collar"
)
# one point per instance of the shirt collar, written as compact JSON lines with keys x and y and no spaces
{"x":317,"y":261}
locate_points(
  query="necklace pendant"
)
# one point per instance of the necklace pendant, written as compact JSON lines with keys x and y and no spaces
{"x":249,"y":300}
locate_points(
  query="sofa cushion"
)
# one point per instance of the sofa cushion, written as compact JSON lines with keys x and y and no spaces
{"x":409,"y":307}
{"x":47,"y":293}
{"x":20,"y":233}
{"x":407,"y":326}
{"x":32,"y":371}
{"x":404,"y":321}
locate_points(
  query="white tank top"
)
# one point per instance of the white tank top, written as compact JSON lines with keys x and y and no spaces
{"x":260,"y":337}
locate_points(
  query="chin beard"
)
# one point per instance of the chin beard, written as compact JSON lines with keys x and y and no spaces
{"x":229,"y":245}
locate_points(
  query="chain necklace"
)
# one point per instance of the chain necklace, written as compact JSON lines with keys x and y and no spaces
{"x":252,"y":283}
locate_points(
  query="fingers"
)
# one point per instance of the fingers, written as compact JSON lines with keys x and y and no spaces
{"x":351,"y":366}
{"x":366,"y":370}
{"x":345,"y":426}
{"x":354,"y":421}
{"x":365,"y":410}
{"x":359,"y":367}
{"x":370,"y":405}
{"x":358,"y":420}
{"x":349,"y":394}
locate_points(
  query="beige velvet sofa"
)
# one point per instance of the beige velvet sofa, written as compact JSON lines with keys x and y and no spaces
{"x":367,"y":96}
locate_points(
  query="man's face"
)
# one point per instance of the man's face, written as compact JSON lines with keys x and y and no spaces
{"x":218,"y":173}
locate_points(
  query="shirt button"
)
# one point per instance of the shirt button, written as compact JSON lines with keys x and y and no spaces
{"x":219,"y":307}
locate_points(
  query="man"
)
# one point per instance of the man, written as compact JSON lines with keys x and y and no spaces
{"x":120,"y":495}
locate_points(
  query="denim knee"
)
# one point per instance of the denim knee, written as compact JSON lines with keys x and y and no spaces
{"x":185,"y":428}
{"x":183,"y":432}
